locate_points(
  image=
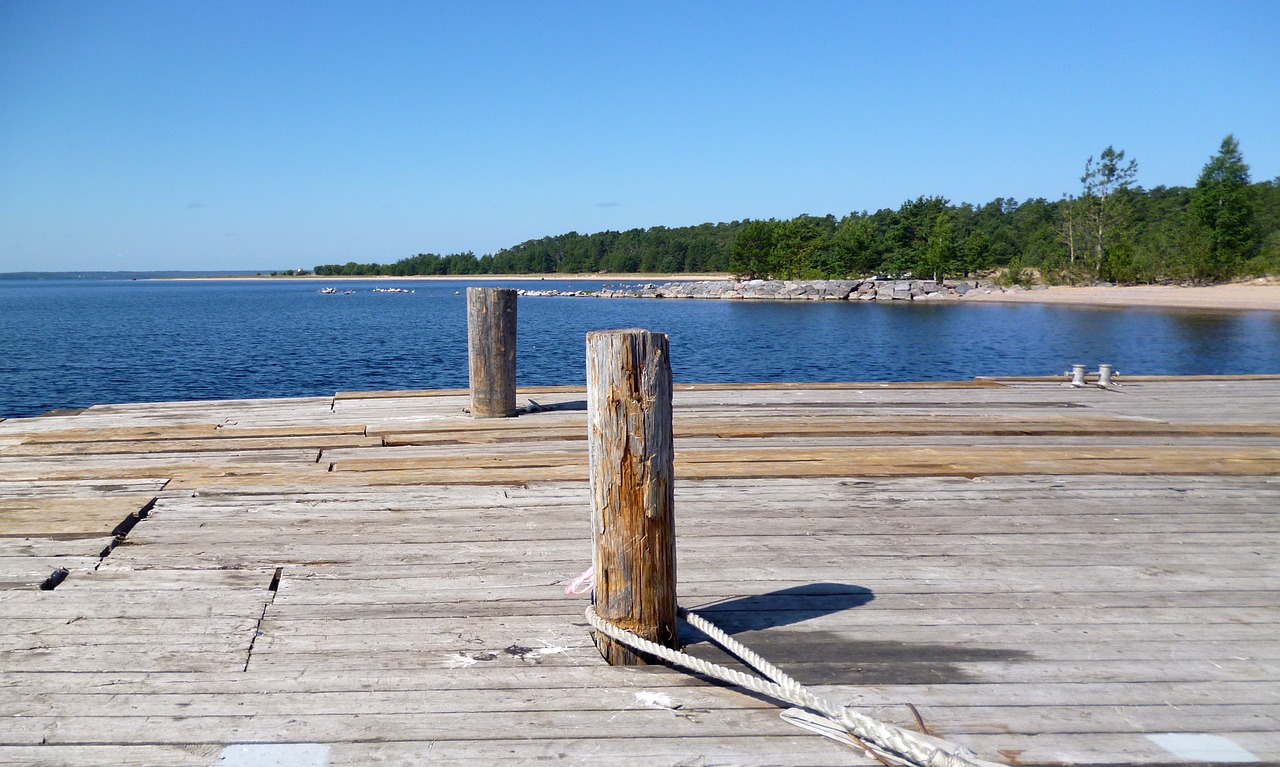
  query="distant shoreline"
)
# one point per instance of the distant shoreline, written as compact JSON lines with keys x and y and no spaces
{"x":1251,"y":295}
{"x":464,"y":277}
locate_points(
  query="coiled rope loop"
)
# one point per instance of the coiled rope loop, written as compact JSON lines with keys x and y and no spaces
{"x":886,"y":739}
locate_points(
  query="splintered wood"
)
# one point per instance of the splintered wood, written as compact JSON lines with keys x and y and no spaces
{"x":1043,"y":574}
{"x":632,"y":488}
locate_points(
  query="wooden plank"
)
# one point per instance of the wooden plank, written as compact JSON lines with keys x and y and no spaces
{"x":1103,"y":748}
{"x":210,"y":656}
{"x":869,"y":643}
{"x":69,"y":518}
{"x":82,"y":488}
{"x":391,"y":556}
{"x":28,"y":573}
{"x":87,"y":690}
{"x":843,"y":386}
{"x":945,"y":719}
{"x":118,"y":755}
{"x":812,"y":426}
{"x":747,"y":749}
{"x":188,"y":466}
{"x":467,"y":721}
{"x":190,"y":431}
{"x":311,"y":479}
{"x":898,"y":643}
{"x":81,"y":604}
{"x":788,"y":751}
{"x":169,"y":580}
{"x":692,"y":387}
{"x":539,"y":580}
{"x":91,"y":629}
{"x":289,"y":619}
{"x":819,"y":497}
{"x":355,"y":726}
{"x":834,"y":513}
{"x":23,"y":548}
{"x":418,"y":393}
{"x":888,"y":461}
{"x":100,"y":434}
{"x":90,"y":650}
{"x":506,"y":671}
{"x":879,"y":462}
{"x":1082,"y":669}
{"x":741,"y":748}
{"x":304,"y":404}
{"x":601,"y":696}
{"x":220,"y":444}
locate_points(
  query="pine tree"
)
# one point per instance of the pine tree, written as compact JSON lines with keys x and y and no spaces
{"x":1222,"y":206}
{"x":1101,"y":205}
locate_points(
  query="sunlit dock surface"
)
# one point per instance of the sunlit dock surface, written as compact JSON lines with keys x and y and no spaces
{"x":1046,"y":575}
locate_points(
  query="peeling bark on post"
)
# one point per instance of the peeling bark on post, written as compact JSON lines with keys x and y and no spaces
{"x":632,"y":487}
{"x":491,"y":347}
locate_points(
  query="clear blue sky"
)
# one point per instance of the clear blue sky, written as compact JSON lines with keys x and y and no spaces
{"x":262,"y":135}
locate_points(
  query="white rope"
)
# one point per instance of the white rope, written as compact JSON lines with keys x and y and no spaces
{"x":583,"y":583}
{"x":890,"y":741}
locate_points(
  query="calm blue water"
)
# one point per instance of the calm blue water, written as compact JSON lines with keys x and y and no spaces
{"x":75,"y":343}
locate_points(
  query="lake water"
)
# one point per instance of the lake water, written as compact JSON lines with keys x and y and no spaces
{"x":75,"y":343}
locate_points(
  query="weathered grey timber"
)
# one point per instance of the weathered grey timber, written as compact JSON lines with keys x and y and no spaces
{"x":491,"y":350}
{"x":1044,"y":574}
{"x":632,"y":488}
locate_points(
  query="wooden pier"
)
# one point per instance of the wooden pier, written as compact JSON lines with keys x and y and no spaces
{"x":1044,"y":574}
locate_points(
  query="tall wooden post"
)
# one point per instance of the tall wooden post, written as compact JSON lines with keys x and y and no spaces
{"x":632,"y":487}
{"x":491,"y":347}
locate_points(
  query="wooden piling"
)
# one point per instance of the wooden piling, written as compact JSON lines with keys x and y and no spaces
{"x":491,"y":347}
{"x":632,"y":486}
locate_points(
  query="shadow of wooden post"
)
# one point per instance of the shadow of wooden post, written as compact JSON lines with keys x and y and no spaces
{"x":491,"y":349}
{"x":632,"y":488}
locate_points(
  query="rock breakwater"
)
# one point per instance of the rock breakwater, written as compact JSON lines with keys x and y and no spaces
{"x":797,"y":290}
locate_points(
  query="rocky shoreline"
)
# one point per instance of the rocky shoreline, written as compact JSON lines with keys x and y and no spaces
{"x":798,"y":290}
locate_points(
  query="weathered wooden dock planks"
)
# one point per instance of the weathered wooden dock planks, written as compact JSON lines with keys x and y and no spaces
{"x":1044,"y":574}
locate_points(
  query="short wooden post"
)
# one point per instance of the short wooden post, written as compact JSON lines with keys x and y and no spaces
{"x":491,"y":347}
{"x":632,"y":487}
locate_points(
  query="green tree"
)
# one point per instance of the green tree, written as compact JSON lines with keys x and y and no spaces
{"x":854,"y":247}
{"x":1266,"y":216}
{"x":1070,"y":230}
{"x":909,"y":233}
{"x":1222,"y":206}
{"x":940,"y":254}
{"x":798,"y":248}
{"x":1102,"y":206}
{"x":752,"y":252}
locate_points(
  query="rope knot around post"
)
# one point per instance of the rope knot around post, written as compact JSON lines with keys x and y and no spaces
{"x":634,"y":612}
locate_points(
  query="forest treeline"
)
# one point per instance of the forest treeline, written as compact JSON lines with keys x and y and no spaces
{"x":1225,"y":226}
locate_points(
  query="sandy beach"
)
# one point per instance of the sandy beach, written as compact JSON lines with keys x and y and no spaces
{"x":1254,"y":295}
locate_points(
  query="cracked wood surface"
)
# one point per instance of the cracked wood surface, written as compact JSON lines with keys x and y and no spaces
{"x":1046,"y":575}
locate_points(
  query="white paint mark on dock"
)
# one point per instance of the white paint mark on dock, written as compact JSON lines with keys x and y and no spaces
{"x":459,"y":660}
{"x":552,"y":649}
{"x":1198,"y":747}
{"x":656,"y":700}
{"x":274,"y":755}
